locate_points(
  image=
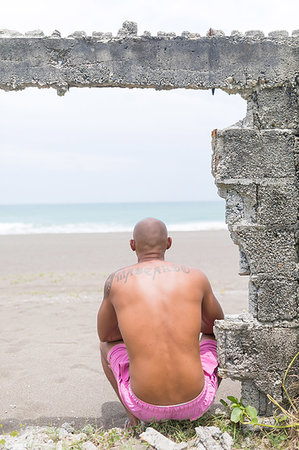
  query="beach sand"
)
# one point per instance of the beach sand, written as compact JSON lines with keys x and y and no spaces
{"x":51,"y":287}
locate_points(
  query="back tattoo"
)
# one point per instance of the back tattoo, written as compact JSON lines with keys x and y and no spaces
{"x":123,"y":275}
{"x":108,"y":284}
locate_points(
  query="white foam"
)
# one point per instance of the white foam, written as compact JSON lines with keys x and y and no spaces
{"x":13,"y":228}
{"x":197,"y":226}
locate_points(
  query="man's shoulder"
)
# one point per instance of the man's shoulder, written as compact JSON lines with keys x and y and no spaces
{"x":186,"y":269}
{"x":118,"y":275}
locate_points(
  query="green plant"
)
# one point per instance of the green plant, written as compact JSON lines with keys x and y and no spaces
{"x":14,"y":433}
{"x":248,"y":414}
{"x":239,"y":412}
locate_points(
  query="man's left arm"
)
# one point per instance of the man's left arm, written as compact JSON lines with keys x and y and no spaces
{"x":107,"y":324}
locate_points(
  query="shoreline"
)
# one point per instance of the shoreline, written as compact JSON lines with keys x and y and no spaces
{"x":88,"y":229}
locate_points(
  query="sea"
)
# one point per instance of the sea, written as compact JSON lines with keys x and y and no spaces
{"x":109,"y":217}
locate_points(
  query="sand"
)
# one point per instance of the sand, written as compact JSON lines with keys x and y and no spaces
{"x":50,"y":291}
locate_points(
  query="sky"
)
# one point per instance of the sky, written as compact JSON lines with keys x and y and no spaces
{"x":118,"y":145}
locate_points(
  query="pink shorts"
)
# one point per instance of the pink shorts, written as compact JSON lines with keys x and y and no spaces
{"x":119,"y":362}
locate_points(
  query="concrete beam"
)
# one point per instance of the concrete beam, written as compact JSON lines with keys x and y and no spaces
{"x":236,"y":63}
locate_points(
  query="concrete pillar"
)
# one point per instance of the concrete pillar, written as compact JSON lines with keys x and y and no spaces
{"x":256,"y":170}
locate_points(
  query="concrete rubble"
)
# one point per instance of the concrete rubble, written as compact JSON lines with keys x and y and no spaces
{"x":65,"y":437}
{"x":160,"y":442}
{"x":255,"y":162}
{"x":211,"y":438}
{"x":42,"y":438}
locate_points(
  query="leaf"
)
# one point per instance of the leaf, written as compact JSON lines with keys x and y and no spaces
{"x":233,"y":399}
{"x":236,"y":415}
{"x":283,"y":418}
{"x":223,"y":402}
{"x":14,"y":433}
{"x":254,"y":421}
{"x":2,"y":442}
{"x":251,"y":411}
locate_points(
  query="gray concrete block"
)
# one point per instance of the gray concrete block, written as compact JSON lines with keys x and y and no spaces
{"x":252,"y":396}
{"x":268,"y":251}
{"x":240,"y":153}
{"x":277,"y":202}
{"x":271,"y":202}
{"x":275,"y":108}
{"x":241,"y":201}
{"x":273,"y":299}
{"x":255,"y":352}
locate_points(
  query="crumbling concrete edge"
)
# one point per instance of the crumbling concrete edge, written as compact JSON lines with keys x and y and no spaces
{"x":258,"y":355}
{"x":236,"y":64}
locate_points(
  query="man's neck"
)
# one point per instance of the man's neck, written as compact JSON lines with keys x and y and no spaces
{"x":150,"y":257}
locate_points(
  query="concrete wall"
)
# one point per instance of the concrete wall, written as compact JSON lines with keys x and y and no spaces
{"x":255,"y":162}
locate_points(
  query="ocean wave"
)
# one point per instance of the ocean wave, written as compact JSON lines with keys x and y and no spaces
{"x":13,"y":228}
{"x":197,"y":226}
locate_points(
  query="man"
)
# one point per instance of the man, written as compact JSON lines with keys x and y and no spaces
{"x":149,"y":325}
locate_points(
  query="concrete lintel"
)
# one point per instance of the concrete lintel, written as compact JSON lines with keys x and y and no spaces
{"x":235,"y":64}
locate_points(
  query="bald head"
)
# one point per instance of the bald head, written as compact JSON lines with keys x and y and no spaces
{"x":150,"y":235}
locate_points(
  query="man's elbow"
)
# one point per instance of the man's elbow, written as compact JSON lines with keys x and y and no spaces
{"x":220,"y":316}
{"x":103,"y":334}
{"x":109,"y":337}
{"x":103,"y":337}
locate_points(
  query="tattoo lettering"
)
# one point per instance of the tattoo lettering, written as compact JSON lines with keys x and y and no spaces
{"x":156,"y":270}
{"x":123,"y":275}
{"x":152,"y":272}
{"x":185,"y":269}
{"x":108,"y":284}
{"x":147,"y":270}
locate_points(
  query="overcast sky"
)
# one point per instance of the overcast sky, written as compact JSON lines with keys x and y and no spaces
{"x":95,"y":145}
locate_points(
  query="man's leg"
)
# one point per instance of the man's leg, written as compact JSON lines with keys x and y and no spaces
{"x":210,"y":337}
{"x":204,"y":337}
{"x":105,"y":348}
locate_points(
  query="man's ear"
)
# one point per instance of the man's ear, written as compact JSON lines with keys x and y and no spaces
{"x":169,"y":242}
{"x":133,"y":245}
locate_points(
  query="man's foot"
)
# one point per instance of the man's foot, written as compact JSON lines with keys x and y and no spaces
{"x":132,"y":421}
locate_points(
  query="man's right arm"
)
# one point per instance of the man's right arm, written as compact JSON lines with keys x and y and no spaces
{"x":210,"y":310}
{"x":107,"y":323}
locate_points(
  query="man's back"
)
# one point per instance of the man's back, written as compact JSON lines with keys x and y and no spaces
{"x":158,"y":306}
{"x":149,"y":324}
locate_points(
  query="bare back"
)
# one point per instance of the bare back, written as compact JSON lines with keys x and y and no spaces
{"x":158,"y":305}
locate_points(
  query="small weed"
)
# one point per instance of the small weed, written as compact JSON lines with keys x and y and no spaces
{"x":107,"y":439}
{"x":282,"y":434}
{"x":239,"y":412}
{"x":14,"y":433}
